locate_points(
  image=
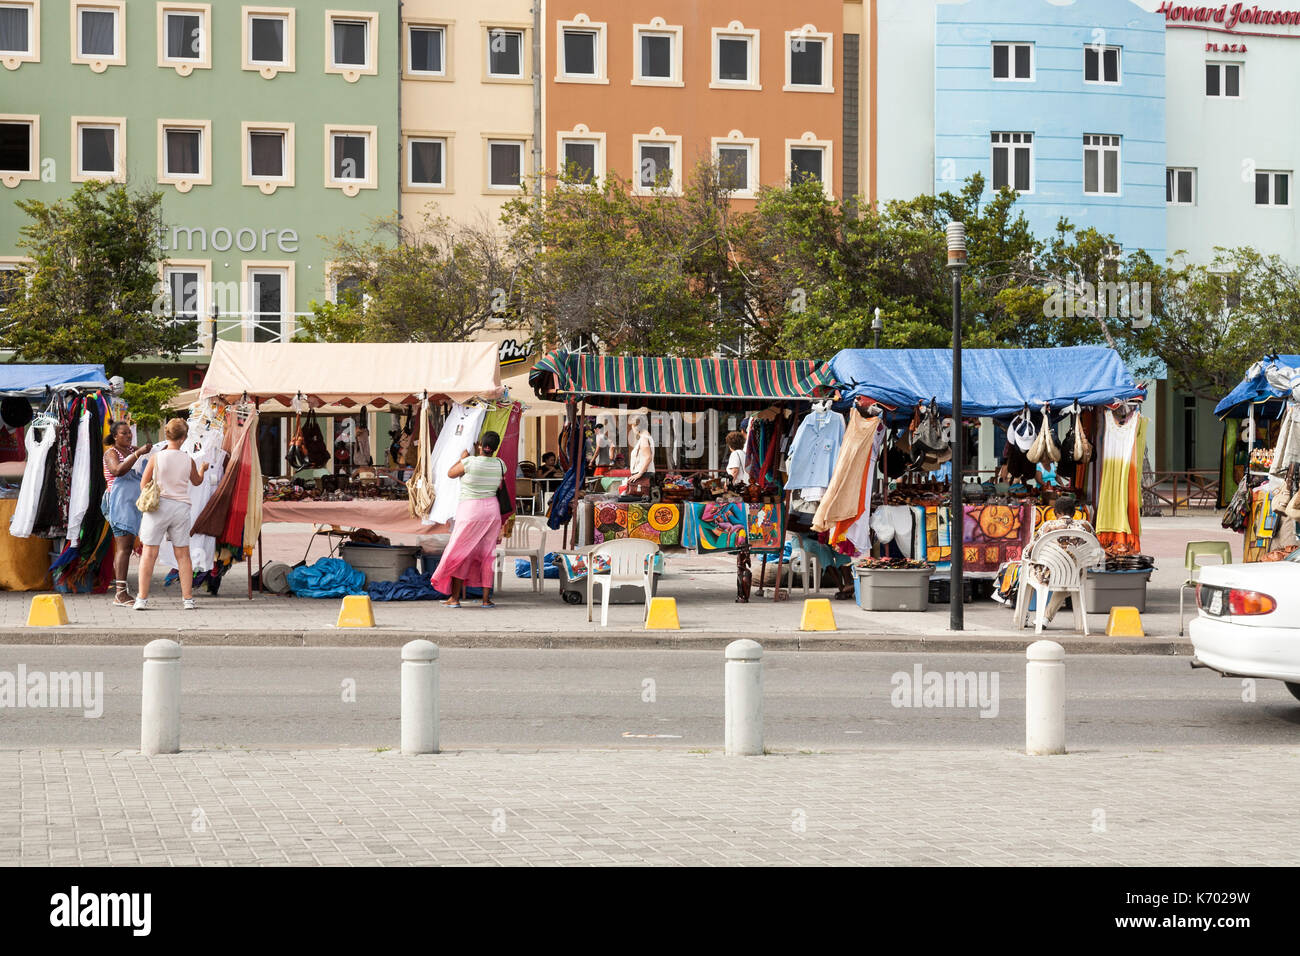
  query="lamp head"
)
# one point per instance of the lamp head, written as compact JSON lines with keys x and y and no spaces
{"x":956,"y":245}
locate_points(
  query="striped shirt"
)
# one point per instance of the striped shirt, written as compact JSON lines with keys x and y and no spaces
{"x":481,"y":478}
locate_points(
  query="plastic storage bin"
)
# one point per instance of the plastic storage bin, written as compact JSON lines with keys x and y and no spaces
{"x":896,"y":589}
{"x":1104,"y":590}
{"x":379,"y":562}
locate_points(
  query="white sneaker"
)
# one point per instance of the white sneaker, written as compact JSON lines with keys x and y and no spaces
{"x":189,"y":605}
{"x":141,"y":604}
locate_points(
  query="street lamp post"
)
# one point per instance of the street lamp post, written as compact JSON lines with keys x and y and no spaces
{"x":956,"y":589}
{"x":876,"y":326}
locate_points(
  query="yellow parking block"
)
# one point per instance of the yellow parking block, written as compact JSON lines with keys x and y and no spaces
{"x":817,"y":615}
{"x":1124,"y":622}
{"x":663,"y":615}
{"x":356,"y":612}
{"x":47,"y":610}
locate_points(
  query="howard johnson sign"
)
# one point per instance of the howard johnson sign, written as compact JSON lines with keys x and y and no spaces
{"x":1228,"y":17}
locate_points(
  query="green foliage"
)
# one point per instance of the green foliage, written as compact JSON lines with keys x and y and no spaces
{"x":149,"y":401}
{"x":92,"y":287}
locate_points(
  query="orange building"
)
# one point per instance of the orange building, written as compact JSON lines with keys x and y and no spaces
{"x":767,"y":88}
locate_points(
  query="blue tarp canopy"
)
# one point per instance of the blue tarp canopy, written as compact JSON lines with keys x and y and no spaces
{"x":31,"y":381}
{"x":1255,"y":390}
{"x":996,"y":383}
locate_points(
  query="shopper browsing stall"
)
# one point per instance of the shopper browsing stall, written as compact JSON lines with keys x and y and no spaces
{"x":120,"y":459}
{"x":173,"y":471}
{"x":469,"y":558}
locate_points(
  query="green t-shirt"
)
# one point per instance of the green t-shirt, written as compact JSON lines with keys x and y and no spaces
{"x":481,"y":478}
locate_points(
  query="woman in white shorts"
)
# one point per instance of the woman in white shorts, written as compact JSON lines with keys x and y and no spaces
{"x":175,"y":471}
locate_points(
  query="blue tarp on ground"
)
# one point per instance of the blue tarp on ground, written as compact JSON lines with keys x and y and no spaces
{"x":995,"y":382}
{"x":32,"y":380}
{"x":1255,"y":390}
{"x":327,"y":578}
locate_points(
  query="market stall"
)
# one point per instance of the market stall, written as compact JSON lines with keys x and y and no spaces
{"x":448,"y":391}
{"x":689,"y":506}
{"x":891,"y":478}
{"x":1262,"y":431}
{"x":52,"y":422}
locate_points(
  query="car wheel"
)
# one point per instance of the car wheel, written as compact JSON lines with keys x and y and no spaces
{"x":1294,"y":689}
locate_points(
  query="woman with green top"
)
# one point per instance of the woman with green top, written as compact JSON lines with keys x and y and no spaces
{"x":469,"y":557}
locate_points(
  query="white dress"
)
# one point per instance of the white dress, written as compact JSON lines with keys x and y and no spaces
{"x":203,"y":444}
{"x":79,"y":497}
{"x":459,"y":433}
{"x":29,"y":494}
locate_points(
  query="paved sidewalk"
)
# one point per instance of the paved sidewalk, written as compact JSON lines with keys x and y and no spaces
{"x":1188,"y":806}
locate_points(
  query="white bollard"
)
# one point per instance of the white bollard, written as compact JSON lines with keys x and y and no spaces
{"x":1045,"y":698}
{"x":743,"y":680}
{"x":160,"y":704}
{"x":420,"y":698}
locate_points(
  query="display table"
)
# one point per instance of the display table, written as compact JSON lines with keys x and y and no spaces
{"x":24,"y":562}
{"x":389,"y":518}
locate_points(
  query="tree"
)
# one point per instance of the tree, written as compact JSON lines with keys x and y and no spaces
{"x":92,"y":288}
{"x":436,"y":281}
{"x":149,"y":400}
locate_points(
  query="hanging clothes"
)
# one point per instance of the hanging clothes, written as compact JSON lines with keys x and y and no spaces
{"x":225,"y":516}
{"x":508,"y":450}
{"x":459,"y":433}
{"x":52,"y":513}
{"x":39,"y":441}
{"x":82,"y":464}
{"x":561,"y":507}
{"x":857,"y":533}
{"x":814,"y":450}
{"x":81,"y":566}
{"x":204,"y":445}
{"x":1119,"y":500}
{"x":843,"y":498}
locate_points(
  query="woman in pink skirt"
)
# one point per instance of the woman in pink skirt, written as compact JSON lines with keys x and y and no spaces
{"x":469,"y":556}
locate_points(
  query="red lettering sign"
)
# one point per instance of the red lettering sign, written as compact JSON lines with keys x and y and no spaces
{"x":1228,"y":18}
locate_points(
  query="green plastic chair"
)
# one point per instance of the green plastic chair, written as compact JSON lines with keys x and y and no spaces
{"x":1191,"y":560}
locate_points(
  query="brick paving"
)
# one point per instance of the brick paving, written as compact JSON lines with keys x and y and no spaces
{"x":1186,"y":806}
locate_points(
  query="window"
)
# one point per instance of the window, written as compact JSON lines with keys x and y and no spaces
{"x":580,"y":52}
{"x":183,"y":37}
{"x":269,"y":155}
{"x":19,"y":148}
{"x":426,"y":49}
{"x":1013,"y":161}
{"x":426,"y":162}
{"x":656,"y":165}
{"x":269,"y":298}
{"x":656,"y":54}
{"x":185,"y":153}
{"x":1180,"y":187}
{"x":505,"y":164}
{"x":98,"y":34}
{"x":1223,"y":79}
{"x":183,"y":288}
{"x":1101,"y":165}
{"x":11,"y":283}
{"x":269,"y":40}
{"x":98,"y":146}
{"x":350,"y":159}
{"x":1272,"y":189}
{"x":580,"y":159}
{"x":1013,"y":61}
{"x":505,"y":53}
{"x":808,"y":61}
{"x":1101,"y":64}
{"x":656,"y":160}
{"x":20,"y":30}
{"x":807,"y":162}
{"x":350,"y":44}
{"x":735,"y":58}
{"x":734,"y":162}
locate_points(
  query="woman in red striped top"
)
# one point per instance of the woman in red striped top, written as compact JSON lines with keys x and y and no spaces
{"x":119,"y":458}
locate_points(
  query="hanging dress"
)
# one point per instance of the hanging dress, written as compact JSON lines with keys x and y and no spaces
{"x":39,"y":440}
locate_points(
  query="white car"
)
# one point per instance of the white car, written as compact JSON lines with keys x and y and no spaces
{"x":1248,"y":622}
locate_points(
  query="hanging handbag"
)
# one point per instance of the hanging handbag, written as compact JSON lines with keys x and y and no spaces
{"x":150,"y":497}
{"x":1082,"y":447}
{"x":313,"y":442}
{"x":503,"y":493}
{"x":419,"y":489}
{"x":1044,"y":451}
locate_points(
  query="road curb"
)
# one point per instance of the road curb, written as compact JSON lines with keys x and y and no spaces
{"x":605,"y":640}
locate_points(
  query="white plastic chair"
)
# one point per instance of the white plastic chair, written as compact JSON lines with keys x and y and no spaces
{"x":631,"y":563}
{"x":1067,"y":574}
{"x":519,"y":546}
{"x":806,"y":564}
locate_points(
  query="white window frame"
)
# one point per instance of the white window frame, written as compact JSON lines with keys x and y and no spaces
{"x":810,"y":141}
{"x":14,"y":264}
{"x":426,"y":136}
{"x":184,"y":183}
{"x":443,"y":27}
{"x":202,"y":268}
{"x":1104,"y":143}
{"x":11,"y":178}
{"x":288,"y":319}
{"x":735,"y":30}
{"x":505,"y":139}
{"x":737,"y":140}
{"x":352,"y":72}
{"x":581,"y":134}
{"x":1223,"y":83}
{"x":1011,"y":146}
{"x":809,"y":32}
{"x":184,"y":67}
{"x":1175,"y":171}
{"x":656,"y":137}
{"x":13,"y":59}
{"x":1272,"y":175}
{"x":98,"y":64}
{"x":351,"y":187}
{"x":1011,"y":62}
{"x":582,"y":24}
{"x":266,"y":69}
{"x":1101,"y":64}
{"x":119,"y":148}
{"x":525,"y":53}
{"x":267,"y":185}
{"x":657,"y":27}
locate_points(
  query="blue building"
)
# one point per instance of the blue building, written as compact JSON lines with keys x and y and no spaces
{"x":1063,"y":102}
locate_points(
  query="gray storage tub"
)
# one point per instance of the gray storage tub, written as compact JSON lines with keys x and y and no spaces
{"x":892,"y":589}
{"x":379,"y":562}
{"x":1104,"y":590}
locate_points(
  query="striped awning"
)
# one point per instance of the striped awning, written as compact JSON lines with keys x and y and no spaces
{"x":669,"y":382}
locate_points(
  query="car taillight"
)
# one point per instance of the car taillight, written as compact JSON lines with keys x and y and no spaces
{"x":1250,"y":602}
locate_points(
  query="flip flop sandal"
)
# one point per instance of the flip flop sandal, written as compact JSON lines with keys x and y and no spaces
{"x":452,"y":606}
{"x":488,"y":605}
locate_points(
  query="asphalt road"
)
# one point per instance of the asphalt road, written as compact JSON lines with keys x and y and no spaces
{"x":279,"y":698}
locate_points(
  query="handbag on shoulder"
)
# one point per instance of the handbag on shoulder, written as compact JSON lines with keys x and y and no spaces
{"x":150,"y":496}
